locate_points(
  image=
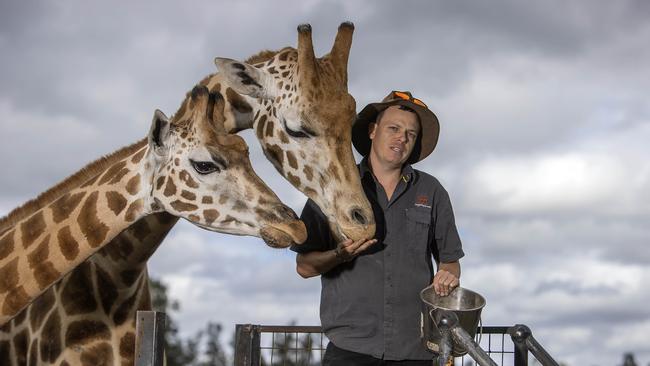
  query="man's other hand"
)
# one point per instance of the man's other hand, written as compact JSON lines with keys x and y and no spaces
{"x":447,"y":278}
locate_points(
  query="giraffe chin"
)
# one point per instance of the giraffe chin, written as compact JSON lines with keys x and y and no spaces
{"x":284,"y":235}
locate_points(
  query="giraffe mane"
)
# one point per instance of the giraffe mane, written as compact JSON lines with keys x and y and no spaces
{"x":263,"y":56}
{"x":75,"y":180}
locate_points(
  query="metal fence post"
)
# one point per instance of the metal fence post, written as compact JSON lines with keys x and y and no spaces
{"x":247,"y":345}
{"x":524,"y":341}
{"x":149,"y":338}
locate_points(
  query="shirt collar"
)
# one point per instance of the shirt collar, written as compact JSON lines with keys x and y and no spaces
{"x":364,"y":168}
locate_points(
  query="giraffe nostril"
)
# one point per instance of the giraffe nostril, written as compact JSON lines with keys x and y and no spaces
{"x":357,"y":216}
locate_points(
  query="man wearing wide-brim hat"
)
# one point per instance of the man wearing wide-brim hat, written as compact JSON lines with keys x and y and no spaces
{"x":370,"y":305}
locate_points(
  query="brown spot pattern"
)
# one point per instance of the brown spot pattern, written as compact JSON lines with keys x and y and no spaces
{"x":188,"y":195}
{"x":291,"y":159}
{"x":9,"y":276}
{"x":205,"y":200}
{"x":78,"y":291}
{"x":237,"y":101}
{"x":181,"y":206}
{"x":140,"y":230}
{"x":32,"y":228}
{"x":67,"y":243}
{"x":283,"y":137}
{"x":275,"y":154}
{"x":93,"y":229}
{"x":16,"y":300}
{"x":269,"y":129}
{"x":46,"y":274}
{"x":223,"y":198}
{"x":98,"y":355}
{"x":86,"y":331}
{"x":39,"y":254}
{"x":21,"y":347}
{"x":133,"y":185}
{"x":7,"y":244}
{"x":112,"y":172}
{"x":138,"y":156}
{"x":159,"y":182}
{"x":108,"y":294}
{"x":185,"y":177}
{"x":50,"y":340}
{"x":294,"y":180}
{"x":127,"y":345}
{"x":134,"y":210}
{"x":239,"y":206}
{"x":309,"y":173}
{"x":39,"y":309}
{"x":260,"y":127}
{"x":123,"y":310}
{"x":129,"y":276}
{"x":116,"y":202}
{"x":170,"y":188}
{"x":210,"y":216}
{"x":5,"y":353}
{"x":63,"y":207}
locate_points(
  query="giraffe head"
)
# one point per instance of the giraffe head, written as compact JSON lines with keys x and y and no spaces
{"x":302,"y":114}
{"x":203,"y":174}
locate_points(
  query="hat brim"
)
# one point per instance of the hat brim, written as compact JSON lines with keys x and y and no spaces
{"x":427,"y":140}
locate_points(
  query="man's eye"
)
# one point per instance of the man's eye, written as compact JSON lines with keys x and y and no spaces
{"x":205,"y":167}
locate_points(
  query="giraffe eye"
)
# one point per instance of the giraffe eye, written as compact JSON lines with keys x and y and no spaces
{"x":204,"y":167}
{"x":302,"y":133}
{"x":297,"y":134}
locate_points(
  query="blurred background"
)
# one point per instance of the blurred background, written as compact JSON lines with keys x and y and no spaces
{"x":545,"y":124}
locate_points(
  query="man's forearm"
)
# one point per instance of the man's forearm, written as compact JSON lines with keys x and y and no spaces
{"x":316,"y":263}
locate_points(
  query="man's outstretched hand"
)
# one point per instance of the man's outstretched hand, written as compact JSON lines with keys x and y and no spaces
{"x":348,"y":249}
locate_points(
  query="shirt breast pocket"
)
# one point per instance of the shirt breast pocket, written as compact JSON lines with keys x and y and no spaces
{"x":418,"y":221}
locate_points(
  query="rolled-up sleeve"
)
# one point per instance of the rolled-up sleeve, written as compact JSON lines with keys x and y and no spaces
{"x":319,"y":235}
{"x":447,"y":245}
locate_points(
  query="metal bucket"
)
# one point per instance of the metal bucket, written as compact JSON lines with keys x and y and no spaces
{"x":467,"y":306}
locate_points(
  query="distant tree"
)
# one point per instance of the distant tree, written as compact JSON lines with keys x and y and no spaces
{"x":178,"y":352}
{"x":628,"y":359}
{"x":214,"y":354}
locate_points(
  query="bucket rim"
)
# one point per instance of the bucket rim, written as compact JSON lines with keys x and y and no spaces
{"x":430,"y":287}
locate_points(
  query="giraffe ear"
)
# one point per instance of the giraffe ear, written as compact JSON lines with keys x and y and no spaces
{"x":246,"y":79}
{"x":159,"y":132}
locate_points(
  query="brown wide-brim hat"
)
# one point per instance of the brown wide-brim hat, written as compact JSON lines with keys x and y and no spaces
{"x":429,"y":125}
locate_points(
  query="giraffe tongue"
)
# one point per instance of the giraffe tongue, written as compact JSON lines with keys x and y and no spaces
{"x":283,"y":235}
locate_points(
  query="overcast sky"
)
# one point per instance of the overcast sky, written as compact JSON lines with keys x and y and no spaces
{"x":545,"y":124}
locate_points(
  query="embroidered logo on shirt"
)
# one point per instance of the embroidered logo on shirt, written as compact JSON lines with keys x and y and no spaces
{"x":422,"y":201}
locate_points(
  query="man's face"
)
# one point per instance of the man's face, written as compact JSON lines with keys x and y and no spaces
{"x":393,"y":137}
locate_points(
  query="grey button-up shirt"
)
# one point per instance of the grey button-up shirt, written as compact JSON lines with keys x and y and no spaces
{"x":372,"y":304}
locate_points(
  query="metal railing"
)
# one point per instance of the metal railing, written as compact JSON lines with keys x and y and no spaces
{"x":257,"y":345}
{"x":272,"y":345}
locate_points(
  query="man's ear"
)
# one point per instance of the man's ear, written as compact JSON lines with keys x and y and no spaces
{"x":159,"y":133}
{"x":372,"y":128}
{"x":246,"y":79}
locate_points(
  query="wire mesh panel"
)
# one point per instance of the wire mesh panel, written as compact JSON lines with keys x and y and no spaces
{"x":305,"y":346}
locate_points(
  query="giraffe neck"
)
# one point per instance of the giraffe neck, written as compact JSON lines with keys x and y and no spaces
{"x":42,"y":247}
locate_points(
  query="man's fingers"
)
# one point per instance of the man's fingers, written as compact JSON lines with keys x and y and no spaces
{"x":364,"y":245}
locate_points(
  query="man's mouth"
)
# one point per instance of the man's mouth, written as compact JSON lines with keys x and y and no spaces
{"x":397,"y":149}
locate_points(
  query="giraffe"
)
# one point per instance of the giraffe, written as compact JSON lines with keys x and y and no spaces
{"x":302,"y":114}
{"x":115,"y":262}
{"x":122,"y":206}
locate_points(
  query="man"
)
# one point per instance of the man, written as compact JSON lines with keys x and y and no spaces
{"x":370,"y":304}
